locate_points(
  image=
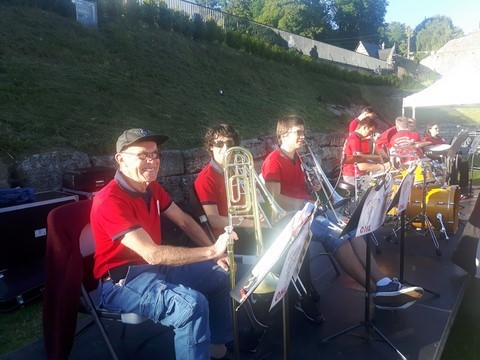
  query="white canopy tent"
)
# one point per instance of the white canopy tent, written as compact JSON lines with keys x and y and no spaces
{"x":458,"y":88}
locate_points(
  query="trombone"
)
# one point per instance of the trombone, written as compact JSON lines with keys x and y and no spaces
{"x":241,"y":183}
{"x":313,"y":172}
{"x":244,"y":189}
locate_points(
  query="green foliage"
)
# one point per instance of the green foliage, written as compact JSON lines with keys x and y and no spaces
{"x":432,"y":33}
{"x":395,"y":33}
{"x":304,"y":18}
{"x":358,"y":19}
{"x":80,"y":87}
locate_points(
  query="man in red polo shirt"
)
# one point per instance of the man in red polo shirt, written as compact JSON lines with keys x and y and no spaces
{"x":139,"y":274}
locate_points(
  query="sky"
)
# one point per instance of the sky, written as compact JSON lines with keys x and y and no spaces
{"x":465,"y":14}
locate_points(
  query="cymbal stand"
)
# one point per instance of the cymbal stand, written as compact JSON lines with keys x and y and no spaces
{"x":367,"y":323}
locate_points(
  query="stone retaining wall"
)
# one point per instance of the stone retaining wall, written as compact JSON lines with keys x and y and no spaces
{"x":179,"y":169}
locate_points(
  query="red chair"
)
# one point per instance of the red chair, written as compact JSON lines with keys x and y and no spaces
{"x":69,"y":282}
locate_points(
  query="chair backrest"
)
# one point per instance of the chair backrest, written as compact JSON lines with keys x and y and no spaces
{"x":87,"y":241}
{"x":196,"y":210}
{"x":63,"y":276}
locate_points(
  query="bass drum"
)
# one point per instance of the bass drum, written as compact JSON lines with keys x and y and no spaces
{"x":444,"y":201}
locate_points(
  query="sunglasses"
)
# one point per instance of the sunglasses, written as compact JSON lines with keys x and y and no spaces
{"x":144,"y":155}
{"x":298,"y":132}
{"x":221,"y":144}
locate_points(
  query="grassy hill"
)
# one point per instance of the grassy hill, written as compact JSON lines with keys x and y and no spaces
{"x":63,"y":85}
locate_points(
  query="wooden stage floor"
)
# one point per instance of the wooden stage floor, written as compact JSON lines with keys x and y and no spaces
{"x":419,"y":332}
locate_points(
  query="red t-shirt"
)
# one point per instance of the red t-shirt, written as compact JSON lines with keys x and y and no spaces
{"x":353,"y":146}
{"x":353,"y":126}
{"x":385,"y":137}
{"x":280,"y":168}
{"x":401,"y":144}
{"x":115,"y":212}
{"x":434,"y":140}
{"x":210,"y":189}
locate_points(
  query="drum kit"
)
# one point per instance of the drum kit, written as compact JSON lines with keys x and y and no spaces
{"x":433,"y":202}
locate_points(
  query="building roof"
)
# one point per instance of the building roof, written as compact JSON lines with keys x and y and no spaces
{"x":463,"y":49}
{"x":375,"y":51}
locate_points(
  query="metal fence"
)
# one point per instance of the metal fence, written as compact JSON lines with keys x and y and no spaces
{"x":319,"y":50}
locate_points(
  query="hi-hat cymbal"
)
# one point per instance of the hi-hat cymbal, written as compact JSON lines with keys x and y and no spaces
{"x":363,"y":158}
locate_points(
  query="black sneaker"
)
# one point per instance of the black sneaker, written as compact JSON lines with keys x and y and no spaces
{"x":395,"y":296}
{"x":309,"y":309}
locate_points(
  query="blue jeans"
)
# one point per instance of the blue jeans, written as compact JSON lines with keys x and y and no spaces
{"x":193,"y":299}
{"x":325,"y":230}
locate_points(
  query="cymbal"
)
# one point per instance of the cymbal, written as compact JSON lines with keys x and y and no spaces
{"x":441,"y":147}
{"x":421,"y":144}
{"x":363,"y":158}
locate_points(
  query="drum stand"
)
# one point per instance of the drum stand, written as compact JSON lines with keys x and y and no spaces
{"x":367,"y":323}
{"x":424,"y":218}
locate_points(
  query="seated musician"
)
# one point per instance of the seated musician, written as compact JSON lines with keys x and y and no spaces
{"x":367,"y":112}
{"x":283,"y":177}
{"x":210,"y":189}
{"x":138,"y":273}
{"x":460,"y":169}
{"x":431,"y":135}
{"x":406,"y":143}
{"x":353,"y":170}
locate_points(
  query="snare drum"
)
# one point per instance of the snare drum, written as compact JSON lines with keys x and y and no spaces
{"x":444,"y":201}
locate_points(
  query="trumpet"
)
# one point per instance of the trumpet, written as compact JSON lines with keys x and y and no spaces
{"x":313,"y":172}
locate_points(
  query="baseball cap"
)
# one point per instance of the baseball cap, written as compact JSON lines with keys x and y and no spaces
{"x":133,"y":136}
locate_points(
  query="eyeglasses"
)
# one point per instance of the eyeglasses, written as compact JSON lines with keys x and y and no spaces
{"x":221,"y":144}
{"x":298,"y":132}
{"x":144,"y":155}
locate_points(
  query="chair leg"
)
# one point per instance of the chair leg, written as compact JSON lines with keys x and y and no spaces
{"x":99,"y":323}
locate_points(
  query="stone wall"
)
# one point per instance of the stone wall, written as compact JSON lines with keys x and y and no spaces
{"x":178,"y":171}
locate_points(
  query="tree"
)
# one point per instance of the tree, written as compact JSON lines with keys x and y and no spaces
{"x":356,"y":20}
{"x":434,"y":32}
{"x":302,"y":17}
{"x":395,"y":33}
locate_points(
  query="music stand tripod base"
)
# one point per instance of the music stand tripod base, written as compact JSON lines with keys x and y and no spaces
{"x":366,"y":323}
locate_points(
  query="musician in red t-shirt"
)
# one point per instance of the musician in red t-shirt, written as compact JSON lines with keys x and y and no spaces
{"x":281,"y":171}
{"x":352,"y":147}
{"x":210,"y":188}
{"x":138,"y":273}
{"x":405,"y":143}
{"x":432,"y":132}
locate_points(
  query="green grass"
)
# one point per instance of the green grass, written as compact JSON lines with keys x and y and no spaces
{"x":62,"y":85}
{"x":464,"y":339}
{"x":20,"y":327}
{"x":65,"y":86}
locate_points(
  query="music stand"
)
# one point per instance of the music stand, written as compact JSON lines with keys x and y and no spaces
{"x":366,"y":323}
{"x":399,"y":201}
{"x":294,"y":232}
{"x":472,"y":151}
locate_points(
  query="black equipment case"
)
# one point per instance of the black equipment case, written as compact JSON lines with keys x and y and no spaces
{"x":23,"y":244}
{"x":90,"y":179}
